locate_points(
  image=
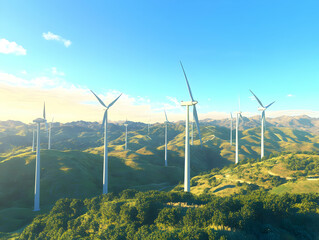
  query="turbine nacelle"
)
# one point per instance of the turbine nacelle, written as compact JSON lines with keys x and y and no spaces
{"x":188,"y":103}
{"x":261,"y":109}
{"x":39,"y":120}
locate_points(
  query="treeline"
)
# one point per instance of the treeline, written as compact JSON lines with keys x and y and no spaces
{"x":272,"y":155}
{"x":179,"y":215}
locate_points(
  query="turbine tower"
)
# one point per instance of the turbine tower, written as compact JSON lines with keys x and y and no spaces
{"x":166,"y":122}
{"x":33,"y":139}
{"x":231,"y":129}
{"x":187,"y":153}
{"x":125,"y":124}
{"x":263,"y":120}
{"x":238,"y":115}
{"x":38,"y":121}
{"x":105,"y":159}
{"x":49,"y":139}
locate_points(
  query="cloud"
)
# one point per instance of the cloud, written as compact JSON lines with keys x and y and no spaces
{"x":22,"y":99}
{"x":7,"y":47}
{"x":54,"y":71}
{"x":290,"y":95}
{"x":252,"y":98}
{"x":24,"y":72}
{"x":37,"y":82}
{"x":51,"y":36}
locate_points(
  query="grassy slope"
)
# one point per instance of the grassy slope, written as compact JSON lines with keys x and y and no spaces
{"x":141,"y":167}
{"x":273,"y":174}
{"x":72,"y":174}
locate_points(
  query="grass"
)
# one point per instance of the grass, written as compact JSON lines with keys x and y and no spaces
{"x":142,"y":166}
{"x":301,"y":186}
{"x":272,"y":174}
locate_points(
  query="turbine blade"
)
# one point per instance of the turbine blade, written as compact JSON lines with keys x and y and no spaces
{"x":114,"y":101}
{"x":165,"y":116}
{"x":44,"y":110}
{"x":257,"y":98}
{"x":189,"y":89}
{"x":46,"y":128}
{"x":98,"y":99}
{"x":270,"y":104}
{"x":104,"y":117}
{"x":197,"y":124}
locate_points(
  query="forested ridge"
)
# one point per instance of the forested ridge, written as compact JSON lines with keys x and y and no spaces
{"x":178,"y":215}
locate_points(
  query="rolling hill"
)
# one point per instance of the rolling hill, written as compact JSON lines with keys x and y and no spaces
{"x":286,"y":173}
{"x":76,"y":159}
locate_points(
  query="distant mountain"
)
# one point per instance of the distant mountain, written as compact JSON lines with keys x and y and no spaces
{"x":304,"y":122}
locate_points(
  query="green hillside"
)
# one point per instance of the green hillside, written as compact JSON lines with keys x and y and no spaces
{"x":84,"y":136}
{"x":178,"y":215}
{"x":285,"y":173}
{"x":276,"y":198}
{"x":74,"y":168}
{"x":74,"y":174}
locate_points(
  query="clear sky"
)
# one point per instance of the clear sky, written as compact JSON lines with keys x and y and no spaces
{"x":57,"y":50}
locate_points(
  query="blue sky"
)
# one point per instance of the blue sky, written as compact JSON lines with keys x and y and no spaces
{"x":134,"y":47}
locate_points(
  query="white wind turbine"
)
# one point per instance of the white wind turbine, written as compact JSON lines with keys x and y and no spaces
{"x":263,"y":120}
{"x":231,"y":129}
{"x":38,"y":121}
{"x":49,"y":139}
{"x":187,"y":153}
{"x":105,"y":160}
{"x":166,"y":122}
{"x":126,"y":124}
{"x":33,"y":139}
{"x":238,"y":115}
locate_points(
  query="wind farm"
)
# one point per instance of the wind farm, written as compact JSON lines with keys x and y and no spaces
{"x":124,"y":121}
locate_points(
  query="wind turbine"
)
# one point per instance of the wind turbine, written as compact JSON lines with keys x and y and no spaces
{"x":166,"y":122}
{"x":187,"y":153}
{"x":33,"y":139}
{"x":238,"y":115}
{"x":231,"y":129}
{"x":38,"y":121}
{"x":49,"y":141}
{"x":105,"y":160}
{"x":125,"y":124}
{"x":263,"y":120}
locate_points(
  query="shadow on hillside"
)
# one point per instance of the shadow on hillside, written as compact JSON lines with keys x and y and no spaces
{"x":223,"y":188}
